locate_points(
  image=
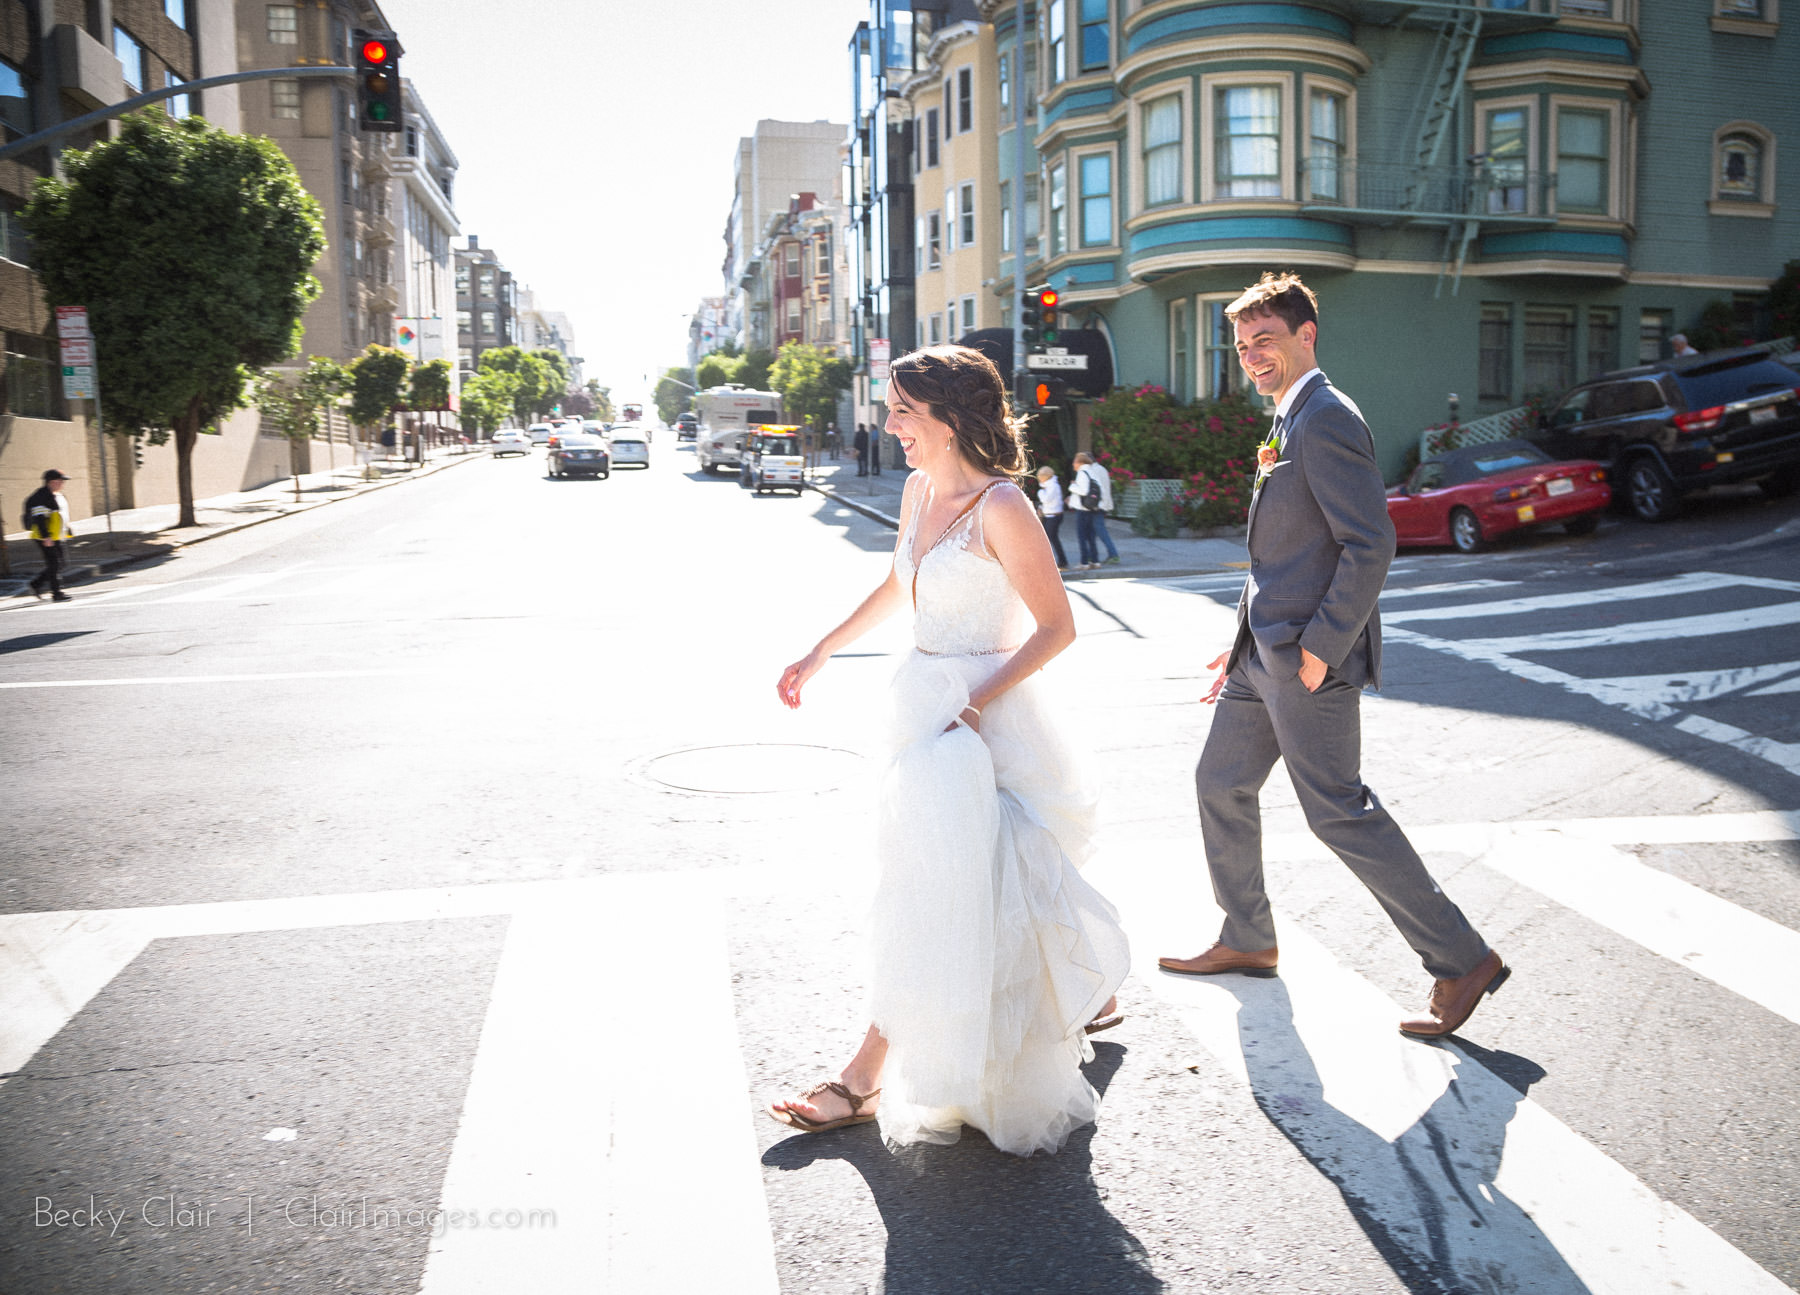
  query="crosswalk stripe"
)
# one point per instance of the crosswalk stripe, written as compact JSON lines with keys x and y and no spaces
{"x":1477,"y":1182}
{"x":228,"y":589}
{"x":271,"y":676}
{"x":586,"y":1091}
{"x":1676,"y":627}
{"x":1696,"y":582}
{"x":1731,"y":946}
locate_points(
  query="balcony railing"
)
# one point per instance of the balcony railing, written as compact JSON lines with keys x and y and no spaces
{"x":1481,"y":190}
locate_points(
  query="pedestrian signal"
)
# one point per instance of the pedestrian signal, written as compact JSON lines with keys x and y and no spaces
{"x":378,"y":97}
{"x":1047,"y":393}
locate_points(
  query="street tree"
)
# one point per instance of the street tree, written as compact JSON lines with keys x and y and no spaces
{"x":192,"y":249}
{"x":716,"y":370}
{"x":754,"y":371}
{"x":672,"y":391}
{"x":292,"y":403}
{"x":560,"y":375}
{"x":532,"y":378}
{"x":809,"y":379}
{"x":487,"y":398}
{"x":602,"y":398}
{"x":377,"y":384}
{"x":430,"y":387}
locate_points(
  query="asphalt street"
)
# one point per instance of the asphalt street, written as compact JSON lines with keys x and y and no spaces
{"x":427,"y":892}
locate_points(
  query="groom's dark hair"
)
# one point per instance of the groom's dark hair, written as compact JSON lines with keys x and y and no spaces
{"x":1281,"y":295}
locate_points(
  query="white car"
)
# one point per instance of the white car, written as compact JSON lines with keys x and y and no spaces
{"x":539,"y":433}
{"x":511,"y":441}
{"x":629,"y":448}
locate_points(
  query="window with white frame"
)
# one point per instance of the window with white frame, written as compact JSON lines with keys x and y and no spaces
{"x":1180,"y":348}
{"x":284,"y":97}
{"x":1033,"y":210}
{"x":1220,"y":373}
{"x":1006,"y":85}
{"x":1743,"y":182}
{"x":488,"y":322}
{"x":1247,"y":154}
{"x":131,"y":58}
{"x":1056,"y":38}
{"x":934,"y":240}
{"x":1583,"y":160}
{"x":1096,"y":170}
{"x":965,"y":214}
{"x":1585,"y":8}
{"x":792,"y":261}
{"x":936,"y":330}
{"x":793,"y":314}
{"x":968,"y":314}
{"x":949,"y":111}
{"x":1740,"y":8}
{"x":1327,"y":145}
{"x":1096,"y":35}
{"x":1549,"y":347}
{"x":950,"y":223}
{"x":1507,"y":143}
{"x":1006,"y":217}
{"x":1059,"y":210}
{"x":1495,"y":357}
{"x":965,"y":100}
{"x":1162,"y":150}
{"x":1654,"y":327}
{"x":284,"y":24}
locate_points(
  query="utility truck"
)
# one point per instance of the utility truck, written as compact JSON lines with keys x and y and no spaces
{"x":727,"y":415}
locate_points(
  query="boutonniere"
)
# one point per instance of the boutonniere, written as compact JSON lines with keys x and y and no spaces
{"x":1268,"y":457}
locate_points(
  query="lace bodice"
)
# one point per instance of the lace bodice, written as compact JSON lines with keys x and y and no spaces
{"x":966,"y":604}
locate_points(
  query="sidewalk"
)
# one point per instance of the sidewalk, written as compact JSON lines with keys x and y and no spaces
{"x":879,"y":498}
{"x":148,"y":534}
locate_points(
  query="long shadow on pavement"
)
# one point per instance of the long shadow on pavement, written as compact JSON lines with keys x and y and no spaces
{"x":968,"y":1218}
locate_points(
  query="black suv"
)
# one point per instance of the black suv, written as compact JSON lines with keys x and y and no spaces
{"x":687,"y":425}
{"x":1678,"y":425}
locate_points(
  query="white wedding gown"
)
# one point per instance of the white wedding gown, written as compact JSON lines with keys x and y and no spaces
{"x":989,"y":950}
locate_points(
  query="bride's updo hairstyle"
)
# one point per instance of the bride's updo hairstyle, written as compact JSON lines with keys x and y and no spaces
{"x":962,"y":389}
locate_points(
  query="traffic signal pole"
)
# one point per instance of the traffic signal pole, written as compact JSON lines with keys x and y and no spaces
{"x":1020,"y":90}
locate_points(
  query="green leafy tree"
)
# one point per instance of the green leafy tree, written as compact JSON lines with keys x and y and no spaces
{"x":535,"y":385}
{"x":602,"y":398}
{"x":716,"y":370}
{"x":430,"y":386}
{"x":292,"y":404}
{"x":192,"y":249}
{"x":487,"y":398}
{"x":377,"y":384}
{"x":560,"y":374}
{"x":809,"y":379}
{"x":672,"y":391}
{"x":754,"y":371}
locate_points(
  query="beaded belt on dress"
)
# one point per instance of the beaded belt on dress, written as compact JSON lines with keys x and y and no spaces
{"x":976,"y":652}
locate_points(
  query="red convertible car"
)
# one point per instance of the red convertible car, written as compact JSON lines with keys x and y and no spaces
{"x":1474,"y":495}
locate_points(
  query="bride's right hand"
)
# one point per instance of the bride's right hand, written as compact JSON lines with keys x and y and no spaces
{"x":794,"y":678}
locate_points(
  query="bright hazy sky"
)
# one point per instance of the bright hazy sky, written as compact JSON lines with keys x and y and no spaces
{"x":595,"y":140}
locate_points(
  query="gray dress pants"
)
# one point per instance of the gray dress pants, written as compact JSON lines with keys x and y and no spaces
{"x":1319,"y":735}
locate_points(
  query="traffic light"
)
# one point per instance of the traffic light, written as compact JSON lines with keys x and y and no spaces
{"x":1047,"y":314}
{"x":1047,"y":393}
{"x":1031,"y":314}
{"x":377,"y":62}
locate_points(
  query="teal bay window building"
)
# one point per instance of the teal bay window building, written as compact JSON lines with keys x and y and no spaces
{"x":1492,"y":199}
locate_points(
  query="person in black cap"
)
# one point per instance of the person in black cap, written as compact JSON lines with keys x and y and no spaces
{"x":47,"y":518}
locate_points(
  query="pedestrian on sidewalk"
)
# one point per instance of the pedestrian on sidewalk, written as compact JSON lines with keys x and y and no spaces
{"x":1097,"y":471}
{"x":47,"y":519}
{"x":1050,"y":508}
{"x":1084,"y":500}
{"x":1289,"y":688}
{"x":834,"y":440}
{"x":992,"y":960}
{"x":875,"y":451}
{"x":860,"y":443}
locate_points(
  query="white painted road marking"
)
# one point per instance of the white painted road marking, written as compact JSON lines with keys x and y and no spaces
{"x":1710,"y":625}
{"x":213,"y":678}
{"x":1698,"y":582}
{"x":1481,"y":1184}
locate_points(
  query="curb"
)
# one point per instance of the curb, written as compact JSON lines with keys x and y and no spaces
{"x":856,"y":506}
{"x":89,"y":570}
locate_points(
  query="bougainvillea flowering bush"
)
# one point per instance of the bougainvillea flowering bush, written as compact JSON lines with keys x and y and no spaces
{"x":1210,"y":447}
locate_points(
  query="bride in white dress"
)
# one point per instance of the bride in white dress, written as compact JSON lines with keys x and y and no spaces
{"x":992,"y":959}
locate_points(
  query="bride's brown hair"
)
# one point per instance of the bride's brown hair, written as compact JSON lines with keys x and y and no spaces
{"x":963,"y":390}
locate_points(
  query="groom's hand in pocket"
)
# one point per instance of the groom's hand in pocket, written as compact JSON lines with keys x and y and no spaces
{"x":1312,"y":671}
{"x":1218,"y":684}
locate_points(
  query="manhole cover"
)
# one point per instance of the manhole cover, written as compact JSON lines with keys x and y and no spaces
{"x":752,"y":769}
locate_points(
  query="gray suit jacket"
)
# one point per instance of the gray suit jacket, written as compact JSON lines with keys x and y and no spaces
{"x":1320,"y":544}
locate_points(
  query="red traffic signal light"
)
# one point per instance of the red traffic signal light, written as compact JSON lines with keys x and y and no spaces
{"x":1047,"y":298}
{"x":374,"y":51}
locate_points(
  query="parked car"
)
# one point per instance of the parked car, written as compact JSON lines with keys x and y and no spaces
{"x":511,"y":441}
{"x":687,"y":426}
{"x":629,"y":448}
{"x":575,"y":454}
{"x":1675,"y":426}
{"x":1472,"y":496}
{"x":539,"y":432}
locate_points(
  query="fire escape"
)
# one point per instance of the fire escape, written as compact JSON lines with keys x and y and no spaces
{"x":1463,"y":195}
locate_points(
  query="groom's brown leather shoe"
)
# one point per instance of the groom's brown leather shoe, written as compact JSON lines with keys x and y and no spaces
{"x":1222,"y":957}
{"x":1454,"y":1001}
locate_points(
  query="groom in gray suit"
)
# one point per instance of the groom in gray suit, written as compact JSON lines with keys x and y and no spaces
{"x":1308,"y":642}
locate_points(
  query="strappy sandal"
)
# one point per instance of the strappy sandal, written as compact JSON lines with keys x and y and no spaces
{"x":1104,"y":1022}
{"x":795,"y":1120}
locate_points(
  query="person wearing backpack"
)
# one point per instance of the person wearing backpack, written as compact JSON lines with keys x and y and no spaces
{"x":47,"y":518}
{"x":1085,"y":498}
{"x":1098,"y":470}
